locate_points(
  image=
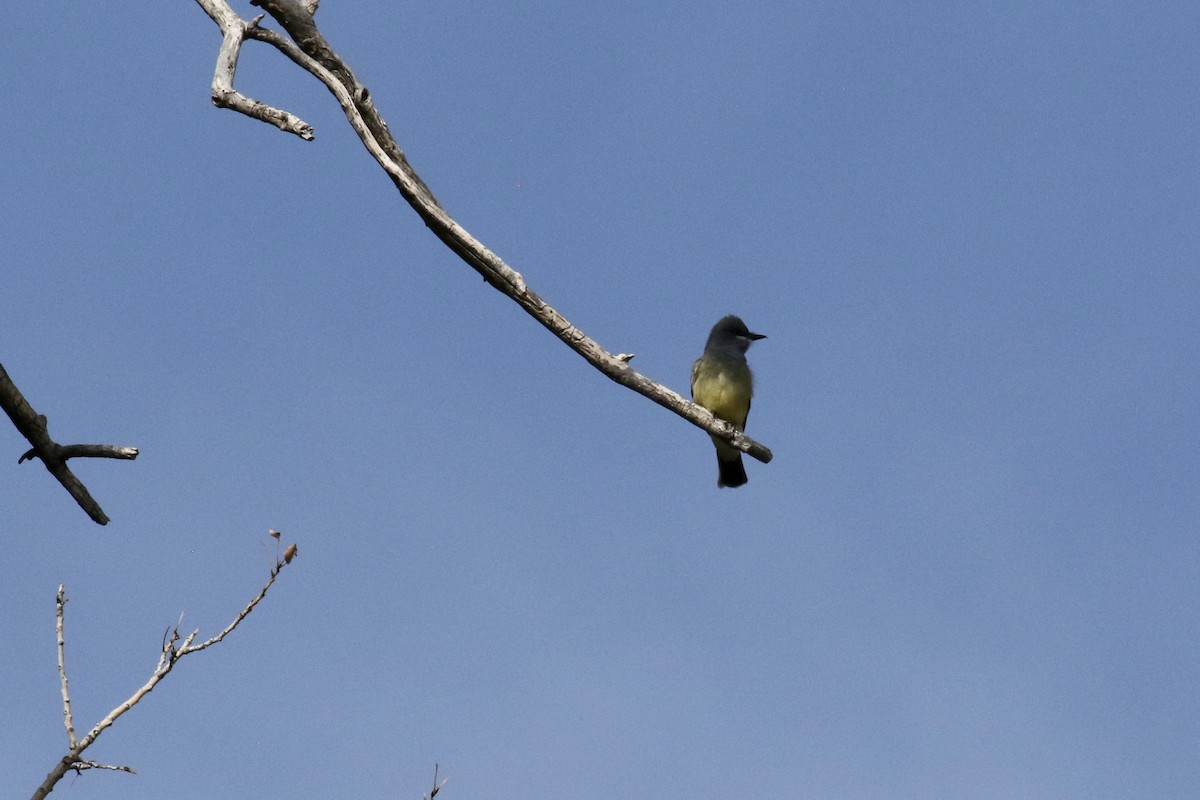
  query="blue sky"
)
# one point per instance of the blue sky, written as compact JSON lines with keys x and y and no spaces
{"x":970,"y":571}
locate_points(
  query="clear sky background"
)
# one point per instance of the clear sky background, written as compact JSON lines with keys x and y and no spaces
{"x":969,"y":231}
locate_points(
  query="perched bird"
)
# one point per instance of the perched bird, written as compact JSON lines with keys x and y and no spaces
{"x":722,"y":383}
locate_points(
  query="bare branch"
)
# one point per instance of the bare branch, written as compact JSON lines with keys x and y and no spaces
{"x":188,"y":647}
{"x":225,"y":96}
{"x":313,"y":53}
{"x":437,"y":787}
{"x":172,"y":650}
{"x":87,"y":451}
{"x":80,"y":766}
{"x":54,"y":455}
{"x":68,"y":720}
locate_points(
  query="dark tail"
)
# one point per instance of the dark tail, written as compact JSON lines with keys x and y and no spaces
{"x":732,"y":473}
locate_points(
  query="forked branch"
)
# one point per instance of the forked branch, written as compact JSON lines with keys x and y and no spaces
{"x":175,"y":646}
{"x":54,"y":455}
{"x":308,"y":48}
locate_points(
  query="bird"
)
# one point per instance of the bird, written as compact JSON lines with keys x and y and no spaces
{"x":722,"y":383}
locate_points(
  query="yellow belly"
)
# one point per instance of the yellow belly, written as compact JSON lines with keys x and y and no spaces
{"x":725,"y":391}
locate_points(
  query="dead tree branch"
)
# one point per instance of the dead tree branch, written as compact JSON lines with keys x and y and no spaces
{"x":174,"y":647}
{"x":437,"y":787}
{"x":54,"y":455}
{"x":68,"y":720}
{"x":308,"y":48}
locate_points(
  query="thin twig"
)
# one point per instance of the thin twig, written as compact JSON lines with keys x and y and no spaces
{"x":68,"y":720}
{"x":80,"y":766}
{"x":437,"y":787}
{"x":190,"y":648}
